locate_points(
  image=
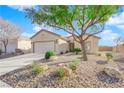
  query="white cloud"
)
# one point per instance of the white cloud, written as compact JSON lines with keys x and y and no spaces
{"x":25,"y":34}
{"x":109,"y":36}
{"x":37,"y":28}
{"x":117,"y":21}
{"x":20,"y":7}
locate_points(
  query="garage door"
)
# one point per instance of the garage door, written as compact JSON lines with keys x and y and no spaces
{"x":43,"y":47}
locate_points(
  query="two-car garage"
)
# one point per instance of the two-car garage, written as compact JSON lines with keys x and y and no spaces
{"x":42,"y":47}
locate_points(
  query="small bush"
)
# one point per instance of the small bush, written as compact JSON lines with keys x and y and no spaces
{"x":67,"y":51}
{"x":61,"y":73}
{"x":109,"y":56}
{"x":36,"y":69}
{"x":74,"y":65}
{"x":0,"y":51}
{"x":49,"y":54}
{"x":99,"y":54}
{"x":61,"y":53}
{"x":77,"y":50}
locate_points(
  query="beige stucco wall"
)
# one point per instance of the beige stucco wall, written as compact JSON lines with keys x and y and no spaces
{"x":93,"y":44}
{"x":63,"y":46}
{"x":44,"y":36}
{"x":119,"y":49}
{"x":24,"y":44}
{"x":12,"y":44}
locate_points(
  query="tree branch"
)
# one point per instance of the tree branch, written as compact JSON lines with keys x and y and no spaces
{"x":60,"y":28}
{"x":99,"y":19}
{"x":75,"y":38}
{"x":94,"y":33}
{"x":74,"y":29}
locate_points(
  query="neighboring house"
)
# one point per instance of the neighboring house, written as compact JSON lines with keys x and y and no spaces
{"x":44,"y":41}
{"x":22,"y":43}
{"x":119,"y":49}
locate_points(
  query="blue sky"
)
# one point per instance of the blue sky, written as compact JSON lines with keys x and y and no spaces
{"x":15,"y":14}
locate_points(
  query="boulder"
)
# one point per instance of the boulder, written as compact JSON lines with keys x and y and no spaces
{"x":53,"y":58}
{"x":110,"y":60}
{"x":60,"y":64}
{"x":113,"y":72}
{"x":68,"y":71}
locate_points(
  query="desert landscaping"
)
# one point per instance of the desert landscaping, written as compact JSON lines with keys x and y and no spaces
{"x":68,"y":46}
{"x":89,"y":73}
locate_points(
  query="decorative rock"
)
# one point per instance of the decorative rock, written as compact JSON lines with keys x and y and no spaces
{"x":110,"y":60}
{"x":60,"y":64}
{"x":68,"y":71}
{"x":45,"y":67}
{"x":53,"y":58}
{"x":113,"y":72}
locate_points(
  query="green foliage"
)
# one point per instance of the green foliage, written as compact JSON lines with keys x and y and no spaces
{"x":62,"y":16}
{"x":77,"y":50}
{"x":37,"y":69}
{"x":61,"y":73}
{"x":109,"y":56}
{"x":0,"y":51}
{"x":49,"y":54}
{"x":74,"y":64}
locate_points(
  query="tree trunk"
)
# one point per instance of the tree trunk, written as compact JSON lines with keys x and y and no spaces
{"x":5,"y":49}
{"x":84,"y":55}
{"x":5,"y":43}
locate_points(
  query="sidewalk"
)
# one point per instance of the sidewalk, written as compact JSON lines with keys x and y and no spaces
{"x":4,"y":85}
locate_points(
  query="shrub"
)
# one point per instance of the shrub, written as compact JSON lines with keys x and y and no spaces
{"x":99,"y":54}
{"x":61,"y":53}
{"x":61,"y":72}
{"x":74,"y":64}
{"x":109,"y":56}
{"x":37,"y":69}
{"x":66,"y":51}
{"x":0,"y":51}
{"x":77,"y":50}
{"x":49,"y":54}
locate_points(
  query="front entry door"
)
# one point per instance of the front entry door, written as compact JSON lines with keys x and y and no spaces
{"x":71,"y":46}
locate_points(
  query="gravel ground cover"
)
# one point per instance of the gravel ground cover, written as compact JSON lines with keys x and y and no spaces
{"x":88,"y":75}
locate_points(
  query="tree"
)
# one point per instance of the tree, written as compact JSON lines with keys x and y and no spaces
{"x":8,"y":31}
{"x":76,"y":20}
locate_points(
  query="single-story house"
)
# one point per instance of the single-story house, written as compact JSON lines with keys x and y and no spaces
{"x":21,"y":43}
{"x":44,"y":41}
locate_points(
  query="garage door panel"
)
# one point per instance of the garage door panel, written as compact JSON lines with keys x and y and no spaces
{"x":43,"y":47}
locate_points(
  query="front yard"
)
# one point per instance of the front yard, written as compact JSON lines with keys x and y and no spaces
{"x":88,"y":74}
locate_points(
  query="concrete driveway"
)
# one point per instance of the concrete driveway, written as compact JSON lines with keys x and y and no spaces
{"x":10,"y":64}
